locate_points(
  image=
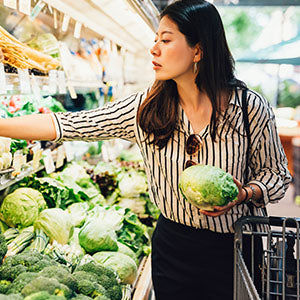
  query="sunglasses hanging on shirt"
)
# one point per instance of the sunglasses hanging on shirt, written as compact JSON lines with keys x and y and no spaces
{"x":192,"y":146}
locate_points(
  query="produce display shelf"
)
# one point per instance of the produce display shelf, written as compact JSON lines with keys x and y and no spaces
{"x":142,"y":286}
{"x":45,"y":85}
{"x":6,"y":180}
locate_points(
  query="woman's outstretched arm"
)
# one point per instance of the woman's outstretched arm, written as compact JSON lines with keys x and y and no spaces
{"x":31,"y":127}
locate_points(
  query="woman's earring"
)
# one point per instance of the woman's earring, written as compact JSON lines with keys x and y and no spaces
{"x":195,"y":67}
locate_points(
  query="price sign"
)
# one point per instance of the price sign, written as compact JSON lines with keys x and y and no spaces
{"x":37,"y":9}
{"x":24,"y":81}
{"x":37,"y":156}
{"x":35,"y":88}
{"x":3,"y":88}
{"x":72,"y":91}
{"x":18,"y":162}
{"x":77,"y":30}
{"x":52,"y":81}
{"x":62,"y":86}
{"x":10,"y":3}
{"x":69,"y":151}
{"x":48,"y":161}
{"x":61,"y":154}
{"x":25,"y":6}
{"x":65,"y":23}
{"x":55,"y":18}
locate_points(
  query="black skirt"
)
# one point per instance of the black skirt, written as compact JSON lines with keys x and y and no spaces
{"x":190,"y":263}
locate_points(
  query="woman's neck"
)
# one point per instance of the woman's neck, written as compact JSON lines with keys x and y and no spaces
{"x":190,"y":96}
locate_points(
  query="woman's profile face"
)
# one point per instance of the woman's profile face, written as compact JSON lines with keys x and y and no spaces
{"x":173,"y":58}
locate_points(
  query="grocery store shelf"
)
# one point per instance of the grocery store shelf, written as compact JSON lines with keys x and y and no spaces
{"x":45,"y":85}
{"x":116,"y":20}
{"x":6,"y":180}
{"x":141,"y":288}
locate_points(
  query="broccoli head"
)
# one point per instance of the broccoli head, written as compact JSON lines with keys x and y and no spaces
{"x":19,"y":283}
{"x":83,"y":275}
{"x":4,"y":286}
{"x":115,"y":292}
{"x":62,"y":274}
{"x":50,"y":285}
{"x":26,"y":258}
{"x":43,"y":263}
{"x":3,"y":247}
{"x":91,"y":289}
{"x":97,"y":269}
{"x":9,"y":272}
{"x":107,"y":282}
{"x":43,"y":295}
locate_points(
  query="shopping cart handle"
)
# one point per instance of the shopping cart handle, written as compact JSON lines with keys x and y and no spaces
{"x":271,"y":220}
{"x":280,"y":221}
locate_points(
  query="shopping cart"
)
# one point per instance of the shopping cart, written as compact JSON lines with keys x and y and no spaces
{"x":276,"y":241}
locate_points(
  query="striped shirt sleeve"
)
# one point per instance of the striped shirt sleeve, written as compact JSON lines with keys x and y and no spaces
{"x":114,"y":120}
{"x":268,"y":162}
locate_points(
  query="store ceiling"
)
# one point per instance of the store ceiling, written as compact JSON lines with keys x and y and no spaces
{"x":257,"y":2}
{"x":161,"y":4}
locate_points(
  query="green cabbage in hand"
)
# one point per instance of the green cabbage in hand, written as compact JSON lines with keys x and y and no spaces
{"x":206,"y":186}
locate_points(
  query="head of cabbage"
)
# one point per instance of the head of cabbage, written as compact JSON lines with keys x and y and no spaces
{"x":22,"y":207}
{"x":206,"y":186}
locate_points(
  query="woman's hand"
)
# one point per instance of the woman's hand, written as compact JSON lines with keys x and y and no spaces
{"x":220,"y":210}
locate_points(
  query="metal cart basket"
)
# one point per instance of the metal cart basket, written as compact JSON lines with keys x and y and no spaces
{"x":273,"y":245}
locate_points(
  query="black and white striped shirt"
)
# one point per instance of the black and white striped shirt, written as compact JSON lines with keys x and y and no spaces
{"x":268,"y":162}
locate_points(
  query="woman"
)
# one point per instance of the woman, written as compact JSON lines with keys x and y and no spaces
{"x":192,"y":114}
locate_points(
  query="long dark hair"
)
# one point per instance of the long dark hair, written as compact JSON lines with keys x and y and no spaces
{"x":201,"y":24}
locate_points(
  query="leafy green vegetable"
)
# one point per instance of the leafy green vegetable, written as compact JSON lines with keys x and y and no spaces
{"x":124,"y":265}
{"x":21,"y":208}
{"x":56,"y":223}
{"x":55,"y":193}
{"x":78,"y":213}
{"x":127,"y":251}
{"x":205,"y":186}
{"x":95,"y":236}
{"x":132,"y":183}
{"x":134,"y":234}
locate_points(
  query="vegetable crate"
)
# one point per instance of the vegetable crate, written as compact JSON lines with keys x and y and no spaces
{"x":267,"y":267}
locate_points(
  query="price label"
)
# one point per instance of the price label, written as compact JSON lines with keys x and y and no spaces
{"x":69,"y":151}
{"x":55,"y":18}
{"x":35,"y":88}
{"x":3,"y":88}
{"x":50,"y":8}
{"x":65,"y":23}
{"x":77,"y":30}
{"x":37,"y":9}
{"x":25,"y":6}
{"x":52,"y":81}
{"x":48,"y":161}
{"x":72,"y":91}
{"x":37,"y":156}
{"x":61,"y":154}
{"x":24,"y":81}
{"x":18,"y":162}
{"x":62,"y":86}
{"x":10,"y":3}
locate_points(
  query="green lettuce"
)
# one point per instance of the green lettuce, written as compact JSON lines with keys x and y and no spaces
{"x":206,"y":186}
